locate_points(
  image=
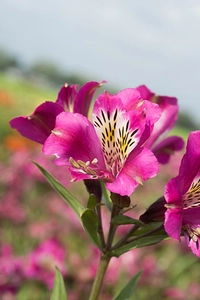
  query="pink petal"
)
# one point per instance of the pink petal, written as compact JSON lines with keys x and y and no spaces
{"x":153,"y":113}
{"x":84,"y":97}
{"x":145,"y":93}
{"x":191,"y":160}
{"x":37,"y":127}
{"x":74,"y":136}
{"x":107,"y":104}
{"x":166,"y":122}
{"x":173,"y":223}
{"x":191,"y":216}
{"x":193,"y":245}
{"x":140,"y":166}
{"x":66,"y":97}
{"x":173,"y":192}
{"x":167,"y":147}
{"x":130,"y":98}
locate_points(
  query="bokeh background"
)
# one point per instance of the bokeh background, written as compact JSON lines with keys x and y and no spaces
{"x":44,"y":44}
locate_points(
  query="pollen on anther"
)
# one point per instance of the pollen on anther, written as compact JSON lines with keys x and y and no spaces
{"x":56,"y":132}
{"x":73,"y":163}
{"x":95,"y":161}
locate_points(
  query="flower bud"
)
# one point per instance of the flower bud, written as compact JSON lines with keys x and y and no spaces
{"x":155,"y":212}
{"x":120,"y":201}
{"x":94,"y":187}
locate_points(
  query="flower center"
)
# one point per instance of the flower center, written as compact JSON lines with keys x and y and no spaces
{"x":117,"y":139}
{"x":192,"y":197}
{"x":84,"y":167}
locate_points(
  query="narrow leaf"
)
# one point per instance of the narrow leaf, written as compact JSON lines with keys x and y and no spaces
{"x":127,"y":291}
{"x":59,"y":287}
{"x":139,"y":243}
{"x":151,"y":227}
{"x":123,"y":220}
{"x":74,"y":203}
{"x":90,"y":223}
{"x":86,"y":216}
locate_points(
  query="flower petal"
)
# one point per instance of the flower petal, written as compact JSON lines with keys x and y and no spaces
{"x":107,"y":104}
{"x":192,"y":216}
{"x":145,"y":93}
{"x":75,"y":144}
{"x":66,"y":97}
{"x":140,"y":166}
{"x":173,"y":223}
{"x":167,"y":147}
{"x":169,"y":116}
{"x":193,"y":245}
{"x":174,"y":213}
{"x":37,"y":127}
{"x":173,"y":192}
{"x":84,"y":97}
{"x":130,"y":98}
{"x":119,"y":131}
{"x":74,"y":136}
{"x":191,"y":160}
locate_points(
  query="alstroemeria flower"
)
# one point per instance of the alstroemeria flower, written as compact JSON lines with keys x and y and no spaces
{"x":38,"y":126}
{"x":161,"y":146}
{"x":109,"y":148}
{"x":182,"y":195}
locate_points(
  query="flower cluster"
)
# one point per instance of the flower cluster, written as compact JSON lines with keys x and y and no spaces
{"x":38,"y":265}
{"x":120,"y":145}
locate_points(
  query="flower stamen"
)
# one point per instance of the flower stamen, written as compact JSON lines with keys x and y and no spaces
{"x":193,"y":234}
{"x":84,"y":166}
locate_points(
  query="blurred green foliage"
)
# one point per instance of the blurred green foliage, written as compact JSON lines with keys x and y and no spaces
{"x":8,"y":61}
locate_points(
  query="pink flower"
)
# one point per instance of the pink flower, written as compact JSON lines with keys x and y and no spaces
{"x":161,"y":145}
{"x":38,"y":126}
{"x":41,"y":263}
{"x":11,"y":270}
{"x":174,"y":294}
{"x":110,"y":148}
{"x":182,"y":195}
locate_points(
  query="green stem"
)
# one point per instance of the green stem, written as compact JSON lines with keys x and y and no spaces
{"x":113,"y":227}
{"x":125,"y":238}
{"x":103,"y":265}
{"x":100,"y":227}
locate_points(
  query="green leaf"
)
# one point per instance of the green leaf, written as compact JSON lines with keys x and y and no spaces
{"x":127,"y":291}
{"x":91,"y":202}
{"x":123,"y":220}
{"x":154,"y":226}
{"x":74,"y":203}
{"x":59,"y":287}
{"x":139,"y":243}
{"x":86,"y":216}
{"x":90,"y":223}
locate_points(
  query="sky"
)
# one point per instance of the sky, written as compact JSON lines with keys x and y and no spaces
{"x":127,"y":43}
